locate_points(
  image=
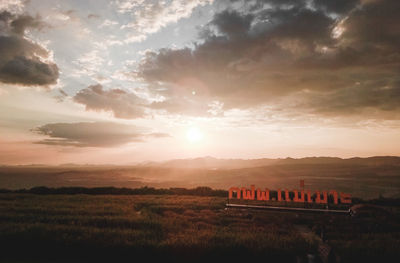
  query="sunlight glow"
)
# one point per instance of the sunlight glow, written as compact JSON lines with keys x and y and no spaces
{"x":194,"y":135}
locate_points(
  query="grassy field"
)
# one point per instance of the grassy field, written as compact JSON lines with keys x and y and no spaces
{"x":74,"y":228}
{"x":364,"y":180}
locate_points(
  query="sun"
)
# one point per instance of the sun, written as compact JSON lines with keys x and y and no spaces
{"x":194,"y":135}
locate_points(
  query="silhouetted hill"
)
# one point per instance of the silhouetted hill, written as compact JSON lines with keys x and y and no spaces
{"x":363,"y":177}
{"x":215,"y":163}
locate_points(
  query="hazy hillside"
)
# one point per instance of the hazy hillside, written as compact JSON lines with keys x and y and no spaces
{"x":212,"y":163}
{"x":215,"y":163}
{"x":363,"y":177}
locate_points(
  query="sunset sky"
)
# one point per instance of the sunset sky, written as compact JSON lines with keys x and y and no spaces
{"x":127,"y":81}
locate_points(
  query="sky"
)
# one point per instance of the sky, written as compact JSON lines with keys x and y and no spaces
{"x":128,"y":81}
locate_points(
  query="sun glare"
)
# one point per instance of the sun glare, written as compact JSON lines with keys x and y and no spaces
{"x":194,"y":135}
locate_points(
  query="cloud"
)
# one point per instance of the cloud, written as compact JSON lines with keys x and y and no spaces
{"x":12,"y":5}
{"x":89,"y":63}
{"x":380,"y":95}
{"x":337,"y":6}
{"x":127,"y":105}
{"x":22,"y":22}
{"x":23,"y":61}
{"x":21,"y":70}
{"x":93,"y":16}
{"x":122,"y":104}
{"x":232,"y":24}
{"x":108,"y":23}
{"x":93,"y":134}
{"x":150,"y":16}
{"x":185,"y":105}
{"x":61,"y":96}
{"x":298,"y":49}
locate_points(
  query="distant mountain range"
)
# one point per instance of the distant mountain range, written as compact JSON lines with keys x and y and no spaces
{"x":362,"y":177}
{"x":212,"y":163}
{"x":215,"y":163}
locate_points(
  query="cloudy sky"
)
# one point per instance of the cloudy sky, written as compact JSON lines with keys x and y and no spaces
{"x":127,"y":81}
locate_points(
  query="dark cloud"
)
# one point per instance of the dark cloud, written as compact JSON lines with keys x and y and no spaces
{"x":34,"y":72}
{"x":122,"y":104}
{"x":93,"y":16}
{"x":373,"y":95}
{"x":247,"y":69}
{"x":22,"y":22}
{"x":232,"y":24}
{"x":93,"y":134}
{"x":259,"y":4}
{"x":285,"y":48}
{"x":375,"y":28}
{"x":21,"y":60}
{"x":5,"y":16}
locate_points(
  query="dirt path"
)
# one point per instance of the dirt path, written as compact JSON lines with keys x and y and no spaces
{"x":324,"y":249}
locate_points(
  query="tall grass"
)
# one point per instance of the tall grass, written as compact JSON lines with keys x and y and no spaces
{"x":173,"y":227}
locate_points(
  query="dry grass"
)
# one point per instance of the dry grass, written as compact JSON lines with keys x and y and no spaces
{"x":172,"y":227}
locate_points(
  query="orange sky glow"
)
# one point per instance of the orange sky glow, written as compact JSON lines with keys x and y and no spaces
{"x":124,"y":82}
